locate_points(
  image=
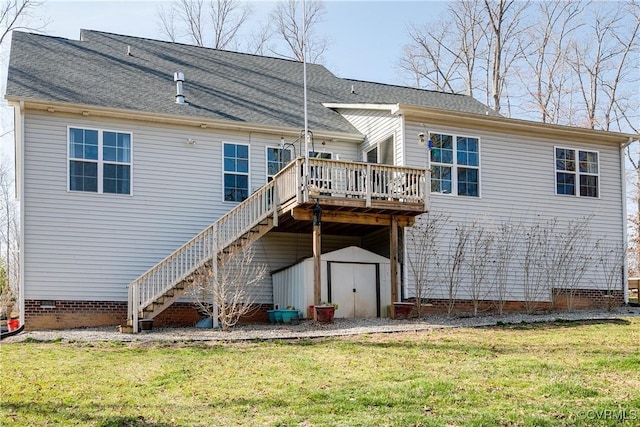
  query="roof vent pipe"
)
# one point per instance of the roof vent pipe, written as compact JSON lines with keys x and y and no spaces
{"x":179,"y":79}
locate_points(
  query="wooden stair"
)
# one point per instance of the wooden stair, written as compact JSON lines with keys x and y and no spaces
{"x":353,"y":183}
{"x":167,"y":281}
{"x":164,"y":299}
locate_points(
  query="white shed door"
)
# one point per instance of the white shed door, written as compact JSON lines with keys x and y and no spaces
{"x":353,"y":288}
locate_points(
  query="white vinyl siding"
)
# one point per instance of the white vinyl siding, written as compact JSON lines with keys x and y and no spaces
{"x":518,"y":181}
{"x":377,"y":126}
{"x":89,"y":246}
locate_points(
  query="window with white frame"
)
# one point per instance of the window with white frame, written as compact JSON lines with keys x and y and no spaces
{"x":236,"y":172}
{"x":577,"y":172}
{"x":99,"y":161}
{"x":320,"y":155}
{"x":455,"y":165}
{"x":277,"y":159}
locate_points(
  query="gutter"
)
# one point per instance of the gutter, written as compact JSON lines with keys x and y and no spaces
{"x":201,"y":122}
{"x":504,"y":124}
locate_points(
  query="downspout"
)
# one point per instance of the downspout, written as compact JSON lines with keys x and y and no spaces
{"x":404,"y":278}
{"x":623,"y":182}
{"x":18,"y":128}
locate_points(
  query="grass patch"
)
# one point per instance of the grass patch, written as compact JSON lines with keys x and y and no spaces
{"x":552,"y":374}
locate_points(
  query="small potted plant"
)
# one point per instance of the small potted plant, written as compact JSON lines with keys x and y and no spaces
{"x":325,"y":312}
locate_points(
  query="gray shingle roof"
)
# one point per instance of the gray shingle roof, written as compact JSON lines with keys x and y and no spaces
{"x":96,"y":70}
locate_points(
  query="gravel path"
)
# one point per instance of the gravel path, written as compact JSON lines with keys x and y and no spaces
{"x":308,"y":329}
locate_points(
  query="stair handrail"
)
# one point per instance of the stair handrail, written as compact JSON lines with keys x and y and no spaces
{"x":185,"y":260}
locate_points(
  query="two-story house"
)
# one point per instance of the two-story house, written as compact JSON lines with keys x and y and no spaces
{"x":138,"y":161}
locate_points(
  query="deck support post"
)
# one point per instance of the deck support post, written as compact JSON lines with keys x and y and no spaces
{"x":393,"y":262}
{"x":317,"y":252}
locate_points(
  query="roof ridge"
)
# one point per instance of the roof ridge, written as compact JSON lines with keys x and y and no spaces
{"x":405,"y":87}
{"x":255,"y":55}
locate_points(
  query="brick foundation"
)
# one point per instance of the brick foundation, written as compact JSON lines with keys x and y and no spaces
{"x":587,"y":298}
{"x":441,"y":306}
{"x":562,"y":299}
{"x":91,"y":314}
{"x":73,"y":314}
{"x":83,"y":314}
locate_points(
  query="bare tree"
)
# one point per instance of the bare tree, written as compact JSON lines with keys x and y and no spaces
{"x":565,"y":62}
{"x":601,"y":61}
{"x":9,"y":229}
{"x":259,"y":39}
{"x":505,"y":18}
{"x":634,"y":218}
{"x":7,"y":296}
{"x":19,"y":15}
{"x":453,"y":263}
{"x":296,"y":28}
{"x":505,"y":249}
{"x":227,"y":18}
{"x":610,"y":261}
{"x":535,"y":246}
{"x":478,"y":36}
{"x":569,"y":255}
{"x":228,"y":292}
{"x":14,"y":15}
{"x":445,"y":56}
{"x":430,"y":59}
{"x":213,"y":24}
{"x":167,"y":21}
{"x":481,"y":242}
{"x":423,"y":239}
{"x":546,"y":60}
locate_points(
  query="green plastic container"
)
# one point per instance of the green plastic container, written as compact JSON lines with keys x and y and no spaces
{"x":288,"y":315}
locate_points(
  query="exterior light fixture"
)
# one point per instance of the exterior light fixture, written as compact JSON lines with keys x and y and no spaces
{"x":317,"y":213}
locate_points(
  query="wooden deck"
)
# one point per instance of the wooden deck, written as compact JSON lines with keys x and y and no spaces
{"x":354,"y":198}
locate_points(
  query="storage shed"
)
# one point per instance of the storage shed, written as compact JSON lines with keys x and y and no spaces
{"x":355,"y":279}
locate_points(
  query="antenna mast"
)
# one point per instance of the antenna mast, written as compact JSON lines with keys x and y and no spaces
{"x":304,"y":87}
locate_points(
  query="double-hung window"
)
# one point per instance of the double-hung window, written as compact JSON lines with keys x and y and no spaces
{"x":577,"y":172}
{"x":455,"y":165}
{"x":99,"y":161}
{"x":236,"y":172}
{"x":277,"y":159}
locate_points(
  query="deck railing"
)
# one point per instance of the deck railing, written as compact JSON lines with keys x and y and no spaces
{"x":367,"y":181}
{"x":326,"y":177}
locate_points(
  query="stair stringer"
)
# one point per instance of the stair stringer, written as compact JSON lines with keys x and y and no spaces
{"x":171,"y":295}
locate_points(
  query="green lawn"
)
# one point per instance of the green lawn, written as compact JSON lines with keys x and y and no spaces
{"x":532,"y":375}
